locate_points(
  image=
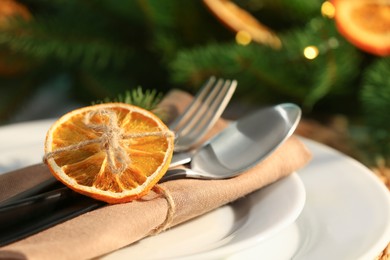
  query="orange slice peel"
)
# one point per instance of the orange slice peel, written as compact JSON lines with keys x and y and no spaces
{"x":112,"y":152}
{"x":365,"y":23}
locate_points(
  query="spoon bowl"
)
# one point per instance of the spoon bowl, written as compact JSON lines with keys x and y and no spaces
{"x":243,"y":144}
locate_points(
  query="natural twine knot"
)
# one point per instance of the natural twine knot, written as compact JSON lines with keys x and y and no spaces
{"x":110,"y":140}
{"x":111,"y":135}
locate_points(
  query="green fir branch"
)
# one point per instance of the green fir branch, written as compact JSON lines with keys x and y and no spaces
{"x":283,"y":74}
{"x":148,"y":99}
{"x":375,"y":99}
{"x":85,"y":52}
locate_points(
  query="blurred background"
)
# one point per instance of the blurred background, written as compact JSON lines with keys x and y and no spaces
{"x":331,"y":58}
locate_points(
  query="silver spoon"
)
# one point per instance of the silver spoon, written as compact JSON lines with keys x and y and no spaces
{"x":241,"y":145}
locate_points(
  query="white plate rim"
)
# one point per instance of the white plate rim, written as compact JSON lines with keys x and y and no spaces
{"x":373,"y":248}
{"x":356,"y":224}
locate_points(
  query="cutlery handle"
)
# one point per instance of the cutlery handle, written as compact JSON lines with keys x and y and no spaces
{"x":28,"y":216}
{"x":33,"y":211}
{"x":24,"y":217}
{"x":43,"y":187}
{"x":52,"y":184}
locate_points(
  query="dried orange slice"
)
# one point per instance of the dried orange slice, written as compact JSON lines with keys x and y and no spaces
{"x":365,"y":23}
{"x":112,"y":152}
{"x":239,"y":20}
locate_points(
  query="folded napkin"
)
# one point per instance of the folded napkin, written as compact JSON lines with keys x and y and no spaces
{"x":115,"y":226}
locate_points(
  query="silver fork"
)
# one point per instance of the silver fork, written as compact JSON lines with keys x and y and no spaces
{"x":203,"y":112}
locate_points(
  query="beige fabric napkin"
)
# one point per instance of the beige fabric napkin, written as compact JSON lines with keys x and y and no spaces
{"x":115,"y":226}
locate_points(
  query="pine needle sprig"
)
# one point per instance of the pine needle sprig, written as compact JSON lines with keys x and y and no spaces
{"x":375,"y":101}
{"x":43,"y":43}
{"x":146,"y":99}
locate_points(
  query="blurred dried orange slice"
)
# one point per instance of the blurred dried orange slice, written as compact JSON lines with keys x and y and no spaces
{"x":365,"y":23}
{"x":112,"y":152}
{"x":239,"y":20}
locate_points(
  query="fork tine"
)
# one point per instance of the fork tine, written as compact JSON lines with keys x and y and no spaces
{"x":194,"y":105}
{"x":206,"y":115}
{"x":214,"y":112}
{"x":201,"y":109}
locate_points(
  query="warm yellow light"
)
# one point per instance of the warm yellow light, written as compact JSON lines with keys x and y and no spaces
{"x":327,"y":9}
{"x":311,"y":52}
{"x":243,"y":38}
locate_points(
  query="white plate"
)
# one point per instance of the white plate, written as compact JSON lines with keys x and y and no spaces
{"x":346,"y":216}
{"x":220,"y":233}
